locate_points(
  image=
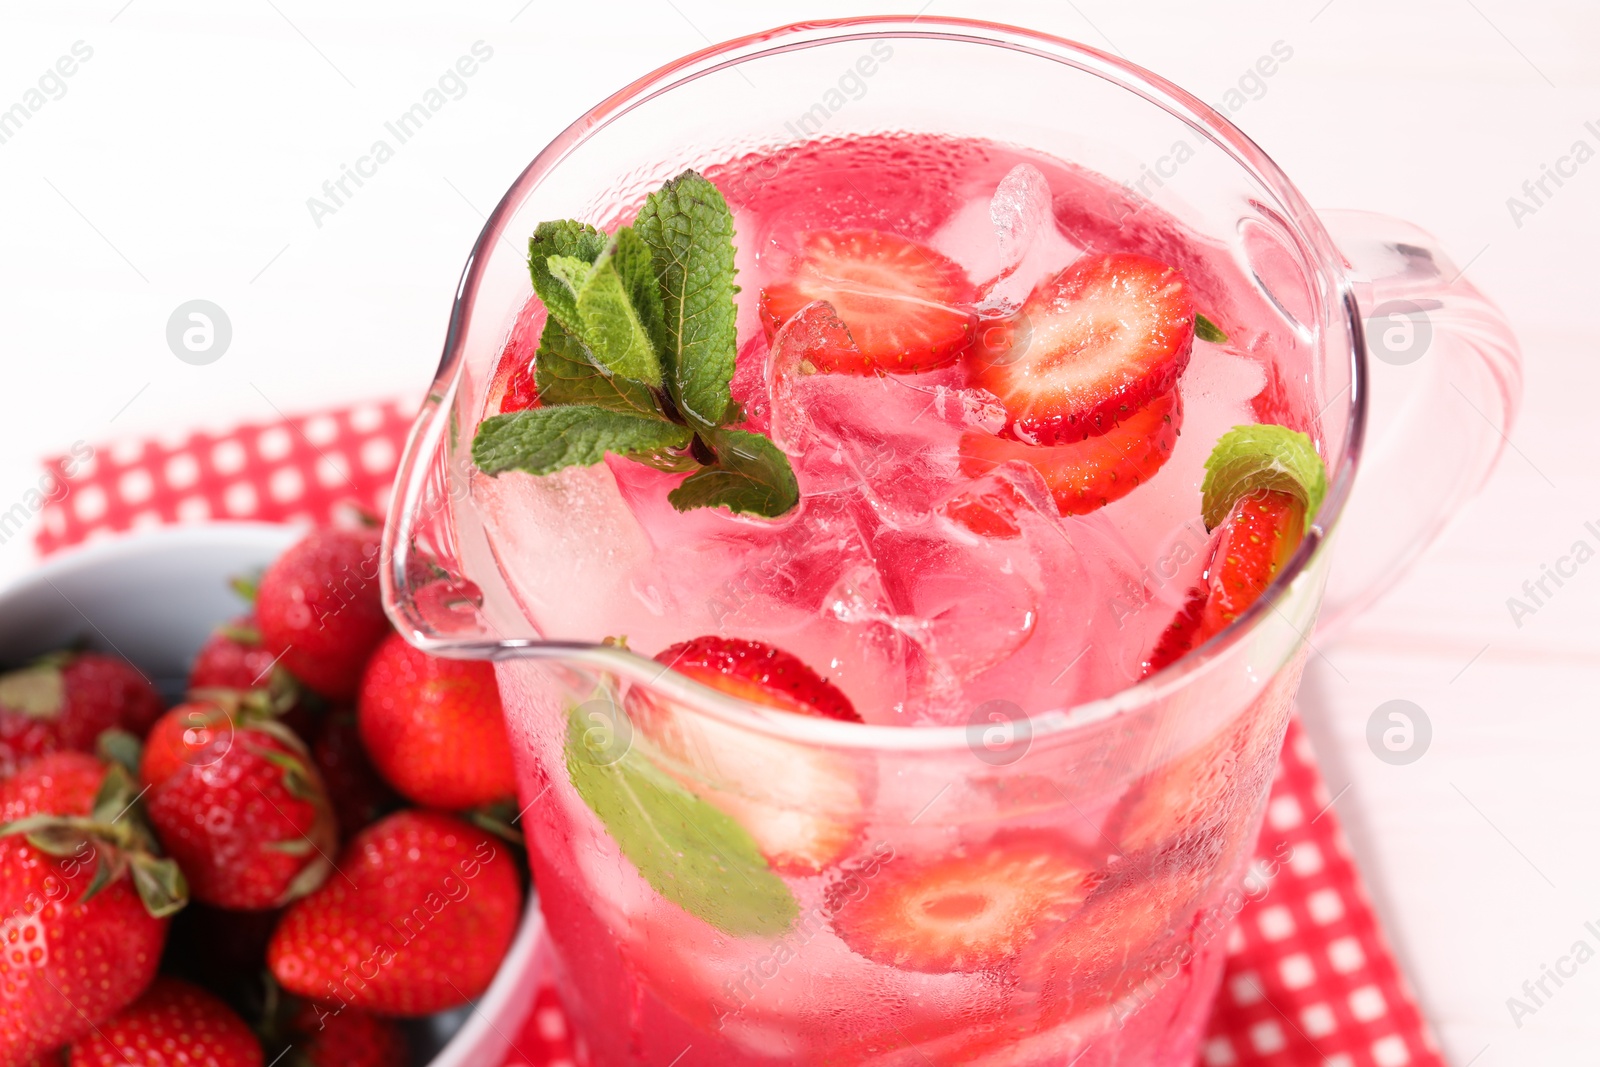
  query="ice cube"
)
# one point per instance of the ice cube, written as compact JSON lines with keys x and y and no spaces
{"x":1019,"y":211}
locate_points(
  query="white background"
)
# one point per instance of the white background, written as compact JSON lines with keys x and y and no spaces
{"x":178,"y":163}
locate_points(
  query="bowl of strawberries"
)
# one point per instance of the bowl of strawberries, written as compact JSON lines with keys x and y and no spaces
{"x":243,"y":822}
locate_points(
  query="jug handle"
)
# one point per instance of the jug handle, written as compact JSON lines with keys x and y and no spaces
{"x":1444,"y":375}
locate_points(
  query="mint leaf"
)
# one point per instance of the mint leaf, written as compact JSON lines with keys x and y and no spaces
{"x":621,"y":334}
{"x":689,"y":229}
{"x":690,"y":852}
{"x":545,"y":440}
{"x":1262,"y":456}
{"x":566,"y":240}
{"x":751,"y":476}
{"x":1207,"y":330}
{"x":564,"y":373}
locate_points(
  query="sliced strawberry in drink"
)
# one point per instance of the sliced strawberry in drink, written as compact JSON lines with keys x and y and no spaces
{"x":1130,"y":925}
{"x":1096,"y":343}
{"x":1258,"y":537}
{"x":801,"y":805}
{"x":1179,"y":636}
{"x":1087,"y":475}
{"x":1262,"y":483}
{"x":759,"y":673}
{"x":901,"y":302}
{"x":971,"y":911}
{"x":988,"y":511}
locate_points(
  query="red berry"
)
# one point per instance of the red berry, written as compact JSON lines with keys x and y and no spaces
{"x":1179,"y":636}
{"x":359,"y":794}
{"x":971,"y":910}
{"x":328,"y":1037}
{"x":1261,"y":532}
{"x":66,"y":700}
{"x":174,"y":1024}
{"x":236,"y":801}
{"x":1098,"y":342}
{"x":70,"y":959}
{"x":759,"y":673}
{"x":233,"y":657}
{"x":901,"y":302}
{"x":434,"y":727}
{"x":1259,"y":535}
{"x":319,"y":609}
{"x":416,"y":921}
{"x":1087,"y":475}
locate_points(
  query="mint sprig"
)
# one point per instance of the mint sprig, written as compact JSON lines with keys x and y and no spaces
{"x":637,"y":355}
{"x":1248,"y":459}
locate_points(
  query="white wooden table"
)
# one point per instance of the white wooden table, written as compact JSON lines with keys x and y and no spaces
{"x":176,"y":160}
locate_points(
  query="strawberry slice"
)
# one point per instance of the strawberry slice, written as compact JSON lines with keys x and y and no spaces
{"x":1258,"y":537}
{"x":1102,"y":339}
{"x":1087,"y":475}
{"x":970,"y":911}
{"x":1179,"y":636}
{"x":1130,"y":924}
{"x":802,"y":806}
{"x":1262,"y":482}
{"x":759,"y":673}
{"x":900,"y":301}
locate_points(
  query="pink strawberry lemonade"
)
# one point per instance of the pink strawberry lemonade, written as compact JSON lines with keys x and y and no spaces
{"x":966,"y":540}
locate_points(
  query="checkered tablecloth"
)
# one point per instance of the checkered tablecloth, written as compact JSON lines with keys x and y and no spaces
{"x":1310,"y":980}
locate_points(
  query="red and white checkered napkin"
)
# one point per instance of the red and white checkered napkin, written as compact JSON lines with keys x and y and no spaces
{"x":1310,"y":982}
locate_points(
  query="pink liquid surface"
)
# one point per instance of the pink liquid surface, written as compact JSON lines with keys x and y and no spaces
{"x":919,"y":620}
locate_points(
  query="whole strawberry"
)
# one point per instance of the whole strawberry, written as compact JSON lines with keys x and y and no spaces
{"x":85,"y":898}
{"x":325,"y":1036}
{"x":235,"y":800}
{"x":418,"y":921}
{"x":234,"y":657}
{"x":174,"y":1024}
{"x":357,"y":791}
{"x":434,"y":727}
{"x":65,"y":700}
{"x":318,"y":608}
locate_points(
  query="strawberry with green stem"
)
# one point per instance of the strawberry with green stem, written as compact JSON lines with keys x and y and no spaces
{"x":86,"y":896}
{"x":235,"y":798}
{"x":636,"y":357}
{"x":65,"y":700}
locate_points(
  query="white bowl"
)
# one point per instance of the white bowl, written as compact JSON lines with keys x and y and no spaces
{"x":153,"y":598}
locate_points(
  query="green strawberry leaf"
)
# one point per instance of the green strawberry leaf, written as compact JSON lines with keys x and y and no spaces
{"x":689,"y":229}
{"x":751,"y":476}
{"x":565,"y":240}
{"x":690,"y":852}
{"x":1247,"y":459}
{"x":246,"y":586}
{"x":564,"y":372}
{"x":121,"y":747}
{"x":620,"y":308}
{"x":1207,"y":330}
{"x":160,"y":883}
{"x":545,"y":440}
{"x":118,"y":792}
{"x":39,"y":691}
{"x":310,"y":878}
{"x":58,"y":839}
